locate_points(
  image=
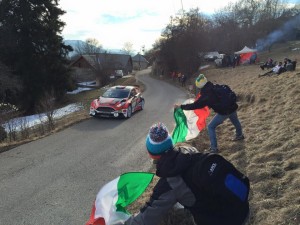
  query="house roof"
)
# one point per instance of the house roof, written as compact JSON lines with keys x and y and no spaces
{"x":139,"y":58}
{"x":117,"y":61}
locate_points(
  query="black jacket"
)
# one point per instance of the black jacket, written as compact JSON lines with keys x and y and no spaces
{"x":209,"y":98}
{"x":175,"y":169}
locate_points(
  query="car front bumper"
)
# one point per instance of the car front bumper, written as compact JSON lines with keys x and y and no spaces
{"x":108,"y":113}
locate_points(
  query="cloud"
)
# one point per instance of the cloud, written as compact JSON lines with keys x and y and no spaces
{"x":114,"y":22}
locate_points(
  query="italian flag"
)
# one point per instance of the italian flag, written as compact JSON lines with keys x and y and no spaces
{"x":188,"y":123}
{"x":113,"y":197}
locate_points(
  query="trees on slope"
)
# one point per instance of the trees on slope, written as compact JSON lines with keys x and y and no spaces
{"x":31,"y":45}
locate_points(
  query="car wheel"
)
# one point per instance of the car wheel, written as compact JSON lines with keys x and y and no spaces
{"x":142,"y":104}
{"x":129,"y":111}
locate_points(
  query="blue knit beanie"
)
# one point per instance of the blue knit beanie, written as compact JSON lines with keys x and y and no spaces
{"x":158,"y":140}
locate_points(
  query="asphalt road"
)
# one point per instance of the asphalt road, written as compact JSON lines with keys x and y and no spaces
{"x":55,"y":180}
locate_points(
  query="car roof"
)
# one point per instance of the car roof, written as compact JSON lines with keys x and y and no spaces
{"x":123,"y":87}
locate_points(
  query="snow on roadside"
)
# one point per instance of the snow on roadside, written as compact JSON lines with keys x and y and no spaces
{"x":88,"y":83}
{"x":89,"y":86}
{"x":32,"y":120}
{"x":78,"y":90}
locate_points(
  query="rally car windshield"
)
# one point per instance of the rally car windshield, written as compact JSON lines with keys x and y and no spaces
{"x":116,"y":93}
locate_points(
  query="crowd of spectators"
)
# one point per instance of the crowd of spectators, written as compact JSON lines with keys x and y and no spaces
{"x":179,"y":77}
{"x":278,"y":68}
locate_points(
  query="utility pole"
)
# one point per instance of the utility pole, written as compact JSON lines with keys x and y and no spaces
{"x":182,"y":7}
{"x":139,"y":61}
{"x":142,"y":50}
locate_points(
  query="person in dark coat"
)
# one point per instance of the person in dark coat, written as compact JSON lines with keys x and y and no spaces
{"x":269,"y":64}
{"x":177,"y":168}
{"x":209,"y":98}
{"x":289,"y":65}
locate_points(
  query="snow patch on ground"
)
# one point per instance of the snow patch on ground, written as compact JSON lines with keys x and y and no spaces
{"x":78,"y":90}
{"x":17,"y":124}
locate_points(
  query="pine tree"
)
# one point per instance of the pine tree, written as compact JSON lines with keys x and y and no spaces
{"x":31,"y":44}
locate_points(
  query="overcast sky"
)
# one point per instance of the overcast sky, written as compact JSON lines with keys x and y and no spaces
{"x":114,"y":22}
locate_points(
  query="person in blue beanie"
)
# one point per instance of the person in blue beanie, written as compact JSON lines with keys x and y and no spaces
{"x":205,"y":184}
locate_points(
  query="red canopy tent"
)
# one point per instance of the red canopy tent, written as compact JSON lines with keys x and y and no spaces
{"x":246,"y":54}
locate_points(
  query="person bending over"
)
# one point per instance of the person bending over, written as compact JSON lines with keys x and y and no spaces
{"x":205,"y":184}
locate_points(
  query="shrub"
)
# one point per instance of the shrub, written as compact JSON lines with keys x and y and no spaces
{"x":3,"y":134}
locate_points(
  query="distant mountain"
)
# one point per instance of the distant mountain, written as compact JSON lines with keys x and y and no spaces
{"x":74,"y":44}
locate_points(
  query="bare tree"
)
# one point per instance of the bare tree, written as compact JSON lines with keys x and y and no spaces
{"x":90,"y":46}
{"x":128,"y":48}
{"x":7,"y":114}
{"x":47,"y":106}
{"x":183,"y":39}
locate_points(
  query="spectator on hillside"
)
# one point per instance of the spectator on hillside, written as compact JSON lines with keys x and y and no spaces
{"x":286,"y":61}
{"x":278,"y":69}
{"x":269,"y":64}
{"x":173,"y":74}
{"x":233,"y":61}
{"x":289,"y":65}
{"x":224,"y":106}
{"x":179,"y":77}
{"x":237,"y":59}
{"x":183,"y":80}
{"x":206,"y":185}
{"x":253,"y":58}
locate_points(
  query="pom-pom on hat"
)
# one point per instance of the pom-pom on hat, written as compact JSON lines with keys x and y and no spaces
{"x":158,"y":140}
{"x":200,"y":81}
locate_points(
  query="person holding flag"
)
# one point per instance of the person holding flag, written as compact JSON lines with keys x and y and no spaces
{"x":223,"y":101}
{"x":205,"y":184}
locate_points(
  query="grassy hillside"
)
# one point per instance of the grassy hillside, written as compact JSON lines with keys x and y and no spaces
{"x":270,"y":155}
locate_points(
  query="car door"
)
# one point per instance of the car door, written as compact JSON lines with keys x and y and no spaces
{"x":133,"y":96}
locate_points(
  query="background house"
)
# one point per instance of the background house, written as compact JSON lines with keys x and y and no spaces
{"x":100,"y":66}
{"x":139,"y":62}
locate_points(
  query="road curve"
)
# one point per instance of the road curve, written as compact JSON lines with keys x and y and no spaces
{"x":54,"y":180}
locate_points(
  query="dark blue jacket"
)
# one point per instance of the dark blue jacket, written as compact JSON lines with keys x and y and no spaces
{"x":177,"y":184}
{"x":209,"y":98}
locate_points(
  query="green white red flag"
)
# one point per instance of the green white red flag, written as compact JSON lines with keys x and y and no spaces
{"x":113,"y":198}
{"x":189,"y":123}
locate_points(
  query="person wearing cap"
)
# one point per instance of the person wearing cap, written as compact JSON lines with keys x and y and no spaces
{"x":176,"y":166}
{"x":209,"y":98}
